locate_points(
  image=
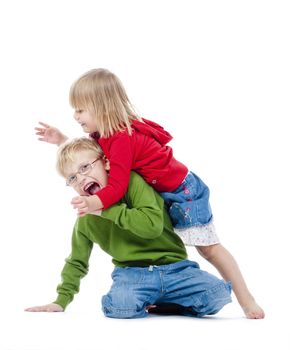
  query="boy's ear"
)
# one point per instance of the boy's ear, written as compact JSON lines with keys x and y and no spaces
{"x":107,"y":163}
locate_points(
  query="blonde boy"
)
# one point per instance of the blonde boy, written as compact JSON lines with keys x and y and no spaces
{"x":151,"y":266}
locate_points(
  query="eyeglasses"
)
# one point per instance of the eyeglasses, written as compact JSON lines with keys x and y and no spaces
{"x":83,"y":170}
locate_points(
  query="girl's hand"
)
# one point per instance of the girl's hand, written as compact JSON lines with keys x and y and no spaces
{"x":45,"y":308}
{"x":50,"y":134}
{"x":87,"y":205}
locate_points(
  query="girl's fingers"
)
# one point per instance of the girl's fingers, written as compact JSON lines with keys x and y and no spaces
{"x":43,"y":124}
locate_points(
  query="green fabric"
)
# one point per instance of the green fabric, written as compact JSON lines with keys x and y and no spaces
{"x":135,"y":232}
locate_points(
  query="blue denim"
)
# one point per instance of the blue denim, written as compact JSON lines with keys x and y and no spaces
{"x":182,"y":283}
{"x":189,"y":204}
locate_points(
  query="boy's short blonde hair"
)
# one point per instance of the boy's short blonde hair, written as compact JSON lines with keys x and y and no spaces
{"x":67,"y":151}
{"x":101,"y":92}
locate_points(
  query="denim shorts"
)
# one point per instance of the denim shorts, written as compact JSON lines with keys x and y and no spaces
{"x":189,"y":204}
{"x":182,"y":283}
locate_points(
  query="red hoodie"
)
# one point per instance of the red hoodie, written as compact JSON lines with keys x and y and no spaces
{"x":145,"y":152}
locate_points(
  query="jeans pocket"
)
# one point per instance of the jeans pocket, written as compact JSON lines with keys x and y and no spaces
{"x":128,"y":275}
{"x":213,"y":300}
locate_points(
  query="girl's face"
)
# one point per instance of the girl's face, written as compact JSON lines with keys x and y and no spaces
{"x":86,"y":120}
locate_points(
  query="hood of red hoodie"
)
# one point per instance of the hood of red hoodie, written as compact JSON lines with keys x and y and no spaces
{"x":149,"y":128}
{"x":152,"y":129}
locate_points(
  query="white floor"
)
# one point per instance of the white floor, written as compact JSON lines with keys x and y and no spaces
{"x":77,"y":330}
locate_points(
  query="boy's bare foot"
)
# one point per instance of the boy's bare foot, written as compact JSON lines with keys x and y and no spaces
{"x":253,"y":310}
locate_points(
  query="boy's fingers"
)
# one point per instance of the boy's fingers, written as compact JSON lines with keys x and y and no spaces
{"x":81,"y":207}
{"x":33,"y":309}
{"x":76,"y":200}
{"x":77,"y":205}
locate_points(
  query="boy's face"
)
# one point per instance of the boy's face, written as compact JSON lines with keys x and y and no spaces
{"x":87,"y":174}
{"x":86,"y":120}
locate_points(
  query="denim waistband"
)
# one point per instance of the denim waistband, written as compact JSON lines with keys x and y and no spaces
{"x":167,"y":267}
{"x":173,"y":266}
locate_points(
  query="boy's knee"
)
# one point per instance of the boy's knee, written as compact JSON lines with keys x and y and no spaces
{"x":111,"y":308}
{"x":214,"y":299}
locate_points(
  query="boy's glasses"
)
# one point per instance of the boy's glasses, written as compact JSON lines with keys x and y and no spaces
{"x":83,"y":170}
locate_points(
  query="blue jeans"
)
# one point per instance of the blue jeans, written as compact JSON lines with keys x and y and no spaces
{"x":189,"y":204}
{"x":182,"y":283}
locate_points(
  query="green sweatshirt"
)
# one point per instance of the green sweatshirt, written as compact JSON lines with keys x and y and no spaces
{"x":137,"y":231}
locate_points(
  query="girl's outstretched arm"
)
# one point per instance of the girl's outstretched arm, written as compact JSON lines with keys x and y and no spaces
{"x":50,"y":134}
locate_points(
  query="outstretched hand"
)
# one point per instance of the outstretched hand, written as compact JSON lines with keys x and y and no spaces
{"x":50,"y":134}
{"x":45,"y":308}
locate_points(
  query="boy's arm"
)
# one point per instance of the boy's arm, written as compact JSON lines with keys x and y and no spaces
{"x":75,"y":268}
{"x":46,"y":308}
{"x":142,"y":212}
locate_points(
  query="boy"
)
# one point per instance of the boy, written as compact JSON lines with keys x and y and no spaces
{"x":149,"y":258}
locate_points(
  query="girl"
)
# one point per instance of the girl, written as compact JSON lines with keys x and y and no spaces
{"x":104,"y":111}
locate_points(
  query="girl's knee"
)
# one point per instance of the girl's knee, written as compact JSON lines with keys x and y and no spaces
{"x":209,"y":251}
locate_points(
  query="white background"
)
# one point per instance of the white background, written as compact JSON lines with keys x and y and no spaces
{"x":216,"y":75}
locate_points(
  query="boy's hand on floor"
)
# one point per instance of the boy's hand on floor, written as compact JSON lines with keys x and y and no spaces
{"x":45,"y":308}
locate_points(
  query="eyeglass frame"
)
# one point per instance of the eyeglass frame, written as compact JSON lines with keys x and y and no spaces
{"x":79,"y":172}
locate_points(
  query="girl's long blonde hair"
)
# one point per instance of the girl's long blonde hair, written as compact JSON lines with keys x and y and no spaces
{"x":101,"y":93}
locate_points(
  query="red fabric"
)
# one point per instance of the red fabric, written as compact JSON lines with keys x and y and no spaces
{"x":145,"y":152}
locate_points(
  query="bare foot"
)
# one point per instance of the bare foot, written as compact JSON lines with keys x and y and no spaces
{"x":150,"y":307}
{"x":253,"y":310}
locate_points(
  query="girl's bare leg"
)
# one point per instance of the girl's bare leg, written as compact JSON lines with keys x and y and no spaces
{"x":227,"y":266}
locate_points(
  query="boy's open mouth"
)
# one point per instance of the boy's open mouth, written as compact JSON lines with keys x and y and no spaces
{"x":91,"y":188}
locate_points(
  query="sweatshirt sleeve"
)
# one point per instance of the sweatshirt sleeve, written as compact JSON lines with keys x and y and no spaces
{"x":143,"y":215}
{"x":75,"y":268}
{"x":118,"y":150}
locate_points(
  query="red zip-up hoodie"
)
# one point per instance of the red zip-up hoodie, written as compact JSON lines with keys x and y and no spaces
{"x":145,"y":152}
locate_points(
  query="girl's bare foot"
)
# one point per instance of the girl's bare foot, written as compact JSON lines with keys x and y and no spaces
{"x":253,"y":310}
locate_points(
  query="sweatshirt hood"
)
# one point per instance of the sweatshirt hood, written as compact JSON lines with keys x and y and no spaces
{"x":152,"y":129}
